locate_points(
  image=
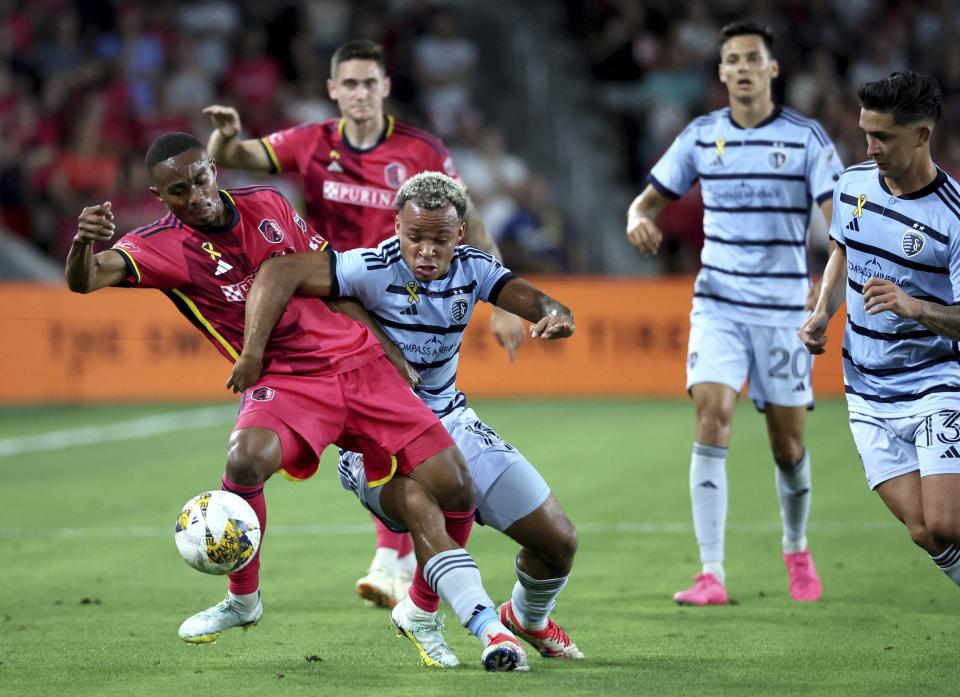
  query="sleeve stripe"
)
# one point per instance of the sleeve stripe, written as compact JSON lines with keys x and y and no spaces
{"x":275,"y":167}
{"x":655,"y":183}
{"x":131,"y":264}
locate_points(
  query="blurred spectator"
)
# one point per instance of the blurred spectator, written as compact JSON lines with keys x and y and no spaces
{"x":534,"y":238}
{"x":445,"y":61}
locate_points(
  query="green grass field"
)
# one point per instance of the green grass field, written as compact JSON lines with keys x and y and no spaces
{"x":92,"y":590}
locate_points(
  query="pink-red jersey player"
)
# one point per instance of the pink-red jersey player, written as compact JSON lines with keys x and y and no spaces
{"x":325,"y":379}
{"x":351,"y":169}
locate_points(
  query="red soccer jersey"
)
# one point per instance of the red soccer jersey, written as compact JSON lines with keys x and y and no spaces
{"x":208,"y":273}
{"x":351,"y":193}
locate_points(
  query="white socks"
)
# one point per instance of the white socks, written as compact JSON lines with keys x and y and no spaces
{"x":793,"y":488}
{"x":949,"y":562}
{"x":245,"y":602}
{"x":708,"y":494}
{"x":534,"y":598}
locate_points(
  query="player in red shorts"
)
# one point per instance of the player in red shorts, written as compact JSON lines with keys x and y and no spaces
{"x":351,"y":169}
{"x":325,"y":377}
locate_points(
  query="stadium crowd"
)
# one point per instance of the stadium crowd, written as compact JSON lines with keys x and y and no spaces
{"x":85,"y":87}
{"x":656,"y":63}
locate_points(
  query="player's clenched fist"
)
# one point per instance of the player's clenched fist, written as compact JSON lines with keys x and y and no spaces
{"x":812,"y":332}
{"x":225,"y":119}
{"x":644,"y":234}
{"x":95,"y":224}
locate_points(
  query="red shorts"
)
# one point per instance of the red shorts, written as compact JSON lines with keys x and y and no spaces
{"x":369,"y":410}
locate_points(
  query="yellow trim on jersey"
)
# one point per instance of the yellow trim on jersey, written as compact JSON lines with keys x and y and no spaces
{"x":390,"y":122}
{"x":227,"y":194}
{"x":341,"y":124}
{"x":290,"y":478}
{"x":393,"y":471}
{"x":206,"y":325}
{"x":126,"y":255}
{"x":272,"y":155}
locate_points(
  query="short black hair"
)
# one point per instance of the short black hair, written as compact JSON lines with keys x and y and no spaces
{"x":358,"y":49}
{"x":909,"y":96}
{"x":745,"y":27}
{"x":170,"y":145}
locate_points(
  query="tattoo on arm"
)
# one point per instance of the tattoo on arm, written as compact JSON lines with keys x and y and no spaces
{"x":944,"y":320}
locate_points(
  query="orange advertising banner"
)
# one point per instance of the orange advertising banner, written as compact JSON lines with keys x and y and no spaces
{"x":133,"y":345}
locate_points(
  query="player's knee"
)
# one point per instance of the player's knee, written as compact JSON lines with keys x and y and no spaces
{"x":713,"y":426}
{"x":452,"y":487}
{"x":944,"y":529}
{"x":252,"y":456}
{"x":921,"y":535}
{"x":787,"y":453}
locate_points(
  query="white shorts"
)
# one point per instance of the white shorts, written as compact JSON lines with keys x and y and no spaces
{"x":772,"y":359}
{"x":889,"y":448}
{"x":507,"y":486}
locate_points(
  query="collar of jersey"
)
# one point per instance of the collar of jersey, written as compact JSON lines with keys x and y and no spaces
{"x":234,"y":218}
{"x":387,"y":132}
{"x":770,"y":119}
{"x":919,"y":193}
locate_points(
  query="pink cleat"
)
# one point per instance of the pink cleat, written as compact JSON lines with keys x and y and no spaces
{"x":706,"y":591}
{"x":804,"y":582}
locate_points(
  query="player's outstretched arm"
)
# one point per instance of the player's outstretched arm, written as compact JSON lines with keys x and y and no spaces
{"x":832,"y":288}
{"x":278,"y":280}
{"x":507,"y":328}
{"x":352,"y":308}
{"x":85,"y":271}
{"x":642,"y":232}
{"x":881,"y":295}
{"x":551,"y":319}
{"x":225,"y":147}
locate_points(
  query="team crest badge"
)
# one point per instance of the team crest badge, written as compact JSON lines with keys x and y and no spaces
{"x":127,"y":246}
{"x":271,"y":231}
{"x":458,"y":310}
{"x":911,"y":243}
{"x":395,"y":174}
{"x":262,"y":394}
{"x":777,"y":158}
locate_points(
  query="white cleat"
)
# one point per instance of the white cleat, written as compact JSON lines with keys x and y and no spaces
{"x":377,"y":587}
{"x":427,"y":636}
{"x":207,"y":626}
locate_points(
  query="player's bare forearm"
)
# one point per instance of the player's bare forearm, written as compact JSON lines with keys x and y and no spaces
{"x":833,"y":285}
{"x":278,"y":280}
{"x":552,"y":319}
{"x":943,"y":319}
{"x":85,"y":271}
{"x":642,"y":230}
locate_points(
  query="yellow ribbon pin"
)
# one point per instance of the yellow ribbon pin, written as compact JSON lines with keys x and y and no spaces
{"x":860,"y":203}
{"x":720,"y":142}
{"x":208,"y":248}
{"x":412,"y":289}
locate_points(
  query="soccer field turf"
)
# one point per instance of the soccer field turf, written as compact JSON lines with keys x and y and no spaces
{"x":92,"y":589}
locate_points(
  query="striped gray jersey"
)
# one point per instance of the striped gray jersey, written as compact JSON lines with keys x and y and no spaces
{"x":893,"y":365}
{"x":758,"y":185}
{"x":425,"y":319}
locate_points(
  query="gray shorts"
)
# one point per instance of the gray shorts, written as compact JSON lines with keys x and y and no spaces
{"x":507,"y":486}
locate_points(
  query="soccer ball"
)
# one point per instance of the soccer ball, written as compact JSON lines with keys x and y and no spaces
{"x":217,"y":532}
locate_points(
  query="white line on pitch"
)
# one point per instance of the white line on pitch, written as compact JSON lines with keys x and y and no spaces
{"x":623,"y":527}
{"x":131,"y":429}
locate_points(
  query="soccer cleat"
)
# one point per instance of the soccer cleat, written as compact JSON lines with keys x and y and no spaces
{"x":804,"y":582}
{"x":427,"y":636}
{"x":207,"y":626}
{"x":504,"y":654}
{"x":706,"y":591}
{"x":377,"y":587}
{"x":551,"y":641}
{"x":401,"y":585}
